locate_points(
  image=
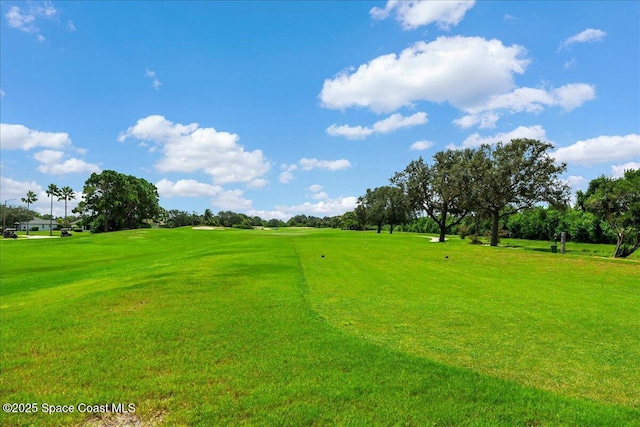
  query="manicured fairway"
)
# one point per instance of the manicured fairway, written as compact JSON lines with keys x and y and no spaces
{"x":256,"y":327}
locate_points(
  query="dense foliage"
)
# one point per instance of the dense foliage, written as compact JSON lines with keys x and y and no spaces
{"x":114,"y":201}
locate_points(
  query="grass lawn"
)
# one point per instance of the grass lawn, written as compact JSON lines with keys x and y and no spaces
{"x":256,"y":327}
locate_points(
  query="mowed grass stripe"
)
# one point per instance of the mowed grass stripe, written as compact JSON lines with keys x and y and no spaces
{"x":222,"y":328}
{"x":566,"y":324}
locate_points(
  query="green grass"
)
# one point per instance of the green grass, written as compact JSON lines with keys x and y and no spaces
{"x":255,"y":327}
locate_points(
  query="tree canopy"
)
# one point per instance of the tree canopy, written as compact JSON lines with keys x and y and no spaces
{"x":115,"y":201}
{"x":617,"y":201}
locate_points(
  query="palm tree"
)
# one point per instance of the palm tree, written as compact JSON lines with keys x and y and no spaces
{"x":31,"y":198}
{"x":52,"y":190}
{"x":66,"y":193}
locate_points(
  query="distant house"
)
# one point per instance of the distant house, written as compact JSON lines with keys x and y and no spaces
{"x":42,"y":224}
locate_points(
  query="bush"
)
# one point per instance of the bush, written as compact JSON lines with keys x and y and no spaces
{"x":463,"y":231}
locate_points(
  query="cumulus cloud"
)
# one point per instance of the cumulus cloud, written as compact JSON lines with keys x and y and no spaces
{"x":602,"y":149}
{"x":332,"y":165}
{"x":414,"y":13}
{"x":286,"y":176}
{"x":191,"y":148}
{"x":589,"y":35}
{"x":19,"y":137}
{"x":421,"y":145}
{"x":531,"y":132}
{"x":12,"y":189}
{"x":326,"y":207}
{"x":233,"y":200}
{"x":436,"y":71}
{"x":257,"y":183}
{"x":53,"y":162}
{"x":567,"y":97}
{"x":16,"y":190}
{"x":315,"y":188}
{"x":394,"y":122}
{"x":349,"y":132}
{"x":187,"y":188}
{"x":617,"y":171}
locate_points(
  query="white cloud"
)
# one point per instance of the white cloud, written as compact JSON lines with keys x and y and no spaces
{"x":570,"y":64}
{"x":421,"y":145}
{"x":327,"y":207}
{"x":322,"y":195}
{"x":397,"y":121}
{"x":190,"y":148}
{"x":617,"y":171}
{"x":258,"y":183}
{"x":349,"y":132}
{"x":71,"y":26}
{"x":589,"y":35}
{"x":232,"y":200}
{"x":413,"y":13}
{"x":19,"y":137}
{"x":286,"y":177}
{"x":152,"y":75}
{"x":567,"y":97}
{"x":332,"y":165}
{"x":394,"y":122}
{"x":45,"y":9}
{"x":531,"y":132}
{"x":53,"y":163}
{"x":601,"y":149}
{"x":315,"y":188}
{"x":187,"y":188}
{"x":26,"y":21}
{"x":20,"y":21}
{"x":12,"y":189}
{"x":437,"y":71}
{"x":2,"y":94}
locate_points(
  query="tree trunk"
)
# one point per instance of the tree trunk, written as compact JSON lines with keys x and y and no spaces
{"x":494,"y":228}
{"x":390,"y":228}
{"x":443,"y":225}
{"x":443,"y":230}
{"x":379,"y":227}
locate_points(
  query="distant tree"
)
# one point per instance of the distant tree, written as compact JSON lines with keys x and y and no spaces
{"x":515,"y":176}
{"x":207,"y":217}
{"x":30,"y":198}
{"x":361,"y":213}
{"x":442,"y":191}
{"x":398,"y":208}
{"x":375,"y":205}
{"x":13,"y":214}
{"x":52,"y":191}
{"x":66,"y":193}
{"x":617,"y":201}
{"x":114,"y":201}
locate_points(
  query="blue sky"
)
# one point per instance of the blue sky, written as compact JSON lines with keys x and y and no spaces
{"x":281,"y":108}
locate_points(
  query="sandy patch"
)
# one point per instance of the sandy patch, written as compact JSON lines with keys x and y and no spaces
{"x":206,"y":227}
{"x":40,"y":237}
{"x":433,"y":239}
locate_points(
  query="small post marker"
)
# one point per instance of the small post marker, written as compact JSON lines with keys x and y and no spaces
{"x":563,"y":238}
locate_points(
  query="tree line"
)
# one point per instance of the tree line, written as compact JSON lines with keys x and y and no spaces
{"x":501,"y":188}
